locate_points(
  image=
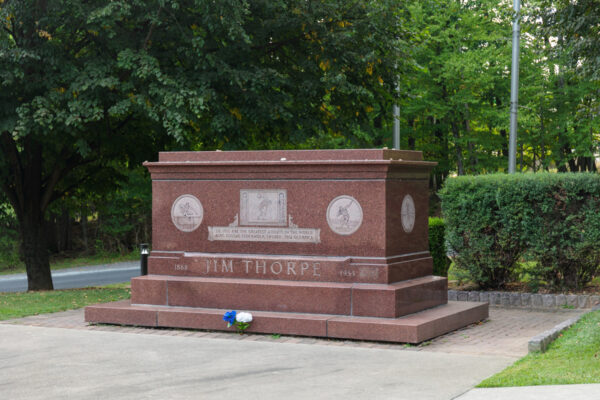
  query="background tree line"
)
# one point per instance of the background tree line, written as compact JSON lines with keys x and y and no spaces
{"x":89,"y":90}
{"x":455,"y":106}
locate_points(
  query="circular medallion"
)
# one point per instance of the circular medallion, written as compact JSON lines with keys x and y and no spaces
{"x":344,"y":215}
{"x":187,"y":213}
{"x":408,"y":213}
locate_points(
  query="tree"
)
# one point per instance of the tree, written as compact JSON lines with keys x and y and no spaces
{"x":455,"y":103}
{"x":89,"y":87}
{"x":566,"y":98}
{"x":455,"y":106}
{"x":574,"y":24}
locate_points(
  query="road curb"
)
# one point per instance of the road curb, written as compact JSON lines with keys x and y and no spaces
{"x":541,"y":342}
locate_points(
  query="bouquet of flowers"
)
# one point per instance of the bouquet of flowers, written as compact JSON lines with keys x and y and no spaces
{"x":240,"y":320}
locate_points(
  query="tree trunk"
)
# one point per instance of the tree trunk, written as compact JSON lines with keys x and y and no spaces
{"x":35,"y":251}
{"x":472,"y":156}
{"x":504,"y":143}
{"x":458,"y":149}
{"x":411,"y":134}
{"x":543,"y":148}
{"x":26,"y":194}
{"x":521,"y":154}
{"x":84,"y":229}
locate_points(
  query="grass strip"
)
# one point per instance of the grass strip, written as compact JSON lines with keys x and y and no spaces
{"x":17,"y":305}
{"x":573,"y":358}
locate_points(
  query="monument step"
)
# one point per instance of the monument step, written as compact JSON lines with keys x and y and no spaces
{"x":413,"y":328}
{"x":367,"y":300}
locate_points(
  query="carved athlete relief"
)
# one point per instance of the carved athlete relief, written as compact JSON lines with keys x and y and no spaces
{"x":263,"y":218}
{"x":344,"y":215}
{"x":408,"y":213}
{"x":263,"y":207}
{"x":187,"y":213}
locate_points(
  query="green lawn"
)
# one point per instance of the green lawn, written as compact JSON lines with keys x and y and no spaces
{"x":572,"y":358}
{"x":63,"y":263}
{"x":17,"y":305}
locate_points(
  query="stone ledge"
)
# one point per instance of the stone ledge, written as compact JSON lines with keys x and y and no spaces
{"x":527,"y":300}
{"x":542,"y":341}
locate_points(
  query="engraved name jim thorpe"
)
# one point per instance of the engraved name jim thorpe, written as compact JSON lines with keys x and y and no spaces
{"x":257,"y":267}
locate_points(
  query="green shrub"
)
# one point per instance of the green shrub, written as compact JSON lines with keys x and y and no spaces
{"x":437,"y":246}
{"x":493,"y":220}
{"x":479,"y":232}
{"x":563,"y":228}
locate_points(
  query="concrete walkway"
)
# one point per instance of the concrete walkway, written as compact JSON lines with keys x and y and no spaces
{"x":59,"y":356}
{"x":556,"y":392}
{"x":54,"y":363}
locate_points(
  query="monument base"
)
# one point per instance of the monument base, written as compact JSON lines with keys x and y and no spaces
{"x":329,"y":243}
{"x":412,"y":328}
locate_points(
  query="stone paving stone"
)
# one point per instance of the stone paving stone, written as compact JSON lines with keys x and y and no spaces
{"x":526,"y":299}
{"x":496,"y":298}
{"x":507,"y":332}
{"x":483,"y":297}
{"x":583,"y":300}
{"x":473,"y":296}
{"x":515,"y":299}
{"x":572,"y":300}
{"x":536,"y":301}
{"x":548,"y":300}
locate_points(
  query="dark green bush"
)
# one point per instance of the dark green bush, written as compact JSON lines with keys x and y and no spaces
{"x":493,"y":220}
{"x":478,"y":231}
{"x":563,"y":228}
{"x":437,"y":246}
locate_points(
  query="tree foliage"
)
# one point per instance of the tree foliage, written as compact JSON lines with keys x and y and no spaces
{"x":455,"y":107}
{"x":90,"y":87}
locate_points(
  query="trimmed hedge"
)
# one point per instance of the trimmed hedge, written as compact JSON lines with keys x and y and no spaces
{"x":437,"y":246}
{"x":493,"y":220}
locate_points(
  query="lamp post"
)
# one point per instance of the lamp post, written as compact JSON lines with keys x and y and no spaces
{"x":514,"y":90}
{"x":144,"y":259}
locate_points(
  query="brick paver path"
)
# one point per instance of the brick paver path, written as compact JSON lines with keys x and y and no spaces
{"x":505,"y":333}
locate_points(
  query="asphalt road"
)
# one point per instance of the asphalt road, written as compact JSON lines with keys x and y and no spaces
{"x":77,"y":277}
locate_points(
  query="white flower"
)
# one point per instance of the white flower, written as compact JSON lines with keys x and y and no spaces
{"x":243,"y":317}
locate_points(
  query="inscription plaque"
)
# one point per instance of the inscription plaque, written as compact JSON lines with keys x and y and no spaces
{"x":263,"y":218}
{"x":187,"y":213}
{"x":263,"y":207}
{"x":408,"y":213}
{"x":255,"y":234}
{"x":344,"y":215}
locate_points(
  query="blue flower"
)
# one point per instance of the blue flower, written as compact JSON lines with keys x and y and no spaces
{"x":229,"y":317}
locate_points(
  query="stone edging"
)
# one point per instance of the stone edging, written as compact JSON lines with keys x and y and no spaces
{"x":526,"y":300}
{"x":543,"y":340}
